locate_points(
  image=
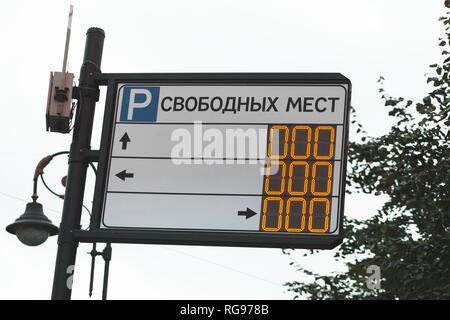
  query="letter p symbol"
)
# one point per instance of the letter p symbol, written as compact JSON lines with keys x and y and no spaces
{"x":139,"y":103}
{"x":133,"y":104}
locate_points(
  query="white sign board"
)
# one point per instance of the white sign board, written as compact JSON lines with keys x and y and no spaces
{"x":253,"y":158}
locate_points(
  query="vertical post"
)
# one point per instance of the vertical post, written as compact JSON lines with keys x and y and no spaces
{"x":107,"y":257}
{"x":93,"y":254}
{"x":88,"y":92}
{"x":66,"y":47}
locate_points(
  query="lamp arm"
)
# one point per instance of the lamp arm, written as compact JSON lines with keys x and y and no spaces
{"x":40,"y":170}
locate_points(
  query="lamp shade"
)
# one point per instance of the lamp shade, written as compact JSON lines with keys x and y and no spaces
{"x":33,"y":227}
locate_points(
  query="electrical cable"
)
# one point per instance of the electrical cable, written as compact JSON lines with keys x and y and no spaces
{"x":172,"y":249}
{"x":48,"y":188}
{"x":61,"y":196}
{"x":26,"y":201}
{"x":221,"y":265}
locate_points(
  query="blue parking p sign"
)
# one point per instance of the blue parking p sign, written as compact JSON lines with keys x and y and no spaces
{"x":139,"y":104}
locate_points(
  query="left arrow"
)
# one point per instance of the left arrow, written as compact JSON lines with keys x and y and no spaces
{"x":124,"y":174}
{"x":125,"y":139}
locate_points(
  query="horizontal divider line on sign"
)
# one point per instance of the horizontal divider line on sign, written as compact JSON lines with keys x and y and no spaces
{"x":229,"y":123}
{"x":272,"y":159}
{"x":184,"y":158}
{"x":220,"y":194}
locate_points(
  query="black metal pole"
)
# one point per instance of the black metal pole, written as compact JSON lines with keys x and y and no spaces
{"x":88,"y":92}
{"x":107,"y":257}
{"x":93,"y":254}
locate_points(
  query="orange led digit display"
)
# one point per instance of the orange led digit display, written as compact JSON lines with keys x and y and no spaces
{"x":285,"y":144}
{"x":275,"y":178}
{"x":313,"y":213}
{"x":315,"y":179}
{"x":304,"y":205}
{"x":328,"y":143}
{"x":278,"y":217}
{"x":303,"y":143}
{"x":305,"y":166}
{"x":299,"y":215}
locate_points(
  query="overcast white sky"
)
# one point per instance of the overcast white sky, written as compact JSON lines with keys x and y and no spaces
{"x":361,"y":39}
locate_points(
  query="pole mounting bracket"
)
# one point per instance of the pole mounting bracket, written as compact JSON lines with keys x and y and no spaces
{"x":90,"y":155}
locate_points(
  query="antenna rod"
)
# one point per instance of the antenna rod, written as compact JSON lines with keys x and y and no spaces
{"x":66,"y":49}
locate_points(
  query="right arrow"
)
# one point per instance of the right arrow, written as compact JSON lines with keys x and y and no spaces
{"x":248,"y":213}
{"x":125,"y":139}
{"x":123,"y":175}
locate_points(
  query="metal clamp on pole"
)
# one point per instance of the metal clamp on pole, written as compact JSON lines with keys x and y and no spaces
{"x":77,"y":92}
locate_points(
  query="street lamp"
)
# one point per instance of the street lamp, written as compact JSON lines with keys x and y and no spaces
{"x":33,"y":227}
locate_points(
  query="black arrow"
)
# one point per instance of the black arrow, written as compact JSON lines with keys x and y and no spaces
{"x":123,"y":175}
{"x":248,"y":213}
{"x":125,"y":139}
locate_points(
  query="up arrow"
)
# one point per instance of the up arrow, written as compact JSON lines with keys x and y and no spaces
{"x":248,"y":213}
{"x":125,"y":139}
{"x":123,"y":175}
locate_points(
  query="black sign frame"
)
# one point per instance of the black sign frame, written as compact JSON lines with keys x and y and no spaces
{"x":207,"y":238}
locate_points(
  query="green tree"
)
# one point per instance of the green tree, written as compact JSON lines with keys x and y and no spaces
{"x":409,"y":238}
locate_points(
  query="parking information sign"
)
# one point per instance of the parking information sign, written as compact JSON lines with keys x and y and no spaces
{"x":248,"y":162}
